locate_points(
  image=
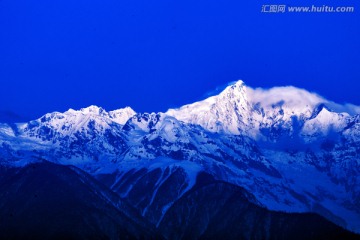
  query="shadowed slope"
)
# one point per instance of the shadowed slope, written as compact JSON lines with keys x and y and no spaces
{"x":48,"y":201}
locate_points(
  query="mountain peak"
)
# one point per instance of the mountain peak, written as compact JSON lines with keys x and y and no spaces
{"x":126,"y":109}
{"x":122,"y":115}
{"x":93,"y":109}
{"x":235,"y":86}
{"x":320,"y":108}
{"x":225,"y":112}
{"x":238,"y":83}
{"x":235,"y":91}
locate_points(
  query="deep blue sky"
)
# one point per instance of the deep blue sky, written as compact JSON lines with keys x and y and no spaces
{"x":153,"y":55}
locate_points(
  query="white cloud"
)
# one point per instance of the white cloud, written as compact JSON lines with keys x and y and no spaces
{"x":291,"y":95}
{"x":296,"y":98}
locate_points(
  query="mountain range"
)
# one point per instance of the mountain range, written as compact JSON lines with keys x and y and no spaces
{"x":279,"y":163}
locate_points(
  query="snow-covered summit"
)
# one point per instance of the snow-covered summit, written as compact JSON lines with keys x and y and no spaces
{"x":93,"y":110}
{"x":121,"y":115}
{"x":324,"y":122}
{"x":242,"y":109}
{"x":90,"y":119}
{"x":226,"y":112}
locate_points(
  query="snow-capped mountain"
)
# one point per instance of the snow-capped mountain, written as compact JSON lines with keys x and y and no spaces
{"x":92,"y":118}
{"x":228,"y":112}
{"x":293,"y":150}
{"x":254,"y":112}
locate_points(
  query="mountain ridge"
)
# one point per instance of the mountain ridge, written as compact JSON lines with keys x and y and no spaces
{"x":251,"y":138}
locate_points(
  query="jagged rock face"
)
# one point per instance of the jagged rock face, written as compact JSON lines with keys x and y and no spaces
{"x":286,"y":146}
